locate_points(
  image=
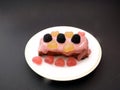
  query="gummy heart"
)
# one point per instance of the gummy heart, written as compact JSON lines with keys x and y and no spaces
{"x":52,"y":45}
{"x":37,"y":60}
{"x":69,"y":34}
{"x":71,"y":61}
{"x":68,"y":47}
{"x":60,"y":62}
{"x":49,"y":59}
{"x":54,"y":33}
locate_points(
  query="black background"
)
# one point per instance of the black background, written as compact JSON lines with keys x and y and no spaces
{"x":20,"y":20}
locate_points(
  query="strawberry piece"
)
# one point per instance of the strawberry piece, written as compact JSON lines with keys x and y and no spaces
{"x":60,"y":62}
{"x":49,"y":59}
{"x":37,"y":60}
{"x":71,"y":61}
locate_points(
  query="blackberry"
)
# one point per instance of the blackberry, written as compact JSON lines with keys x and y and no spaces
{"x":61,"y":38}
{"x":76,"y":39}
{"x":47,"y":38}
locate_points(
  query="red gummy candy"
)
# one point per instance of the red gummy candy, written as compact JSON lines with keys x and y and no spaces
{"x":60,"y":62}
{"x":71,"y":61}
{"x":49,"y":59}
{"x":37,"y":60}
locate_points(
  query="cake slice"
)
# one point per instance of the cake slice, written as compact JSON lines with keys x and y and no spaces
{"x":67,"y":44}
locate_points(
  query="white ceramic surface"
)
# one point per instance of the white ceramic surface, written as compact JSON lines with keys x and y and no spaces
{"x":52,"y":72}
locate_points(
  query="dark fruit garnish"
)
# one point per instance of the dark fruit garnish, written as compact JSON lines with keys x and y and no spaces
{"x":76,"y":39}
{"x":61,"y":38}
{"x":47,"y":38}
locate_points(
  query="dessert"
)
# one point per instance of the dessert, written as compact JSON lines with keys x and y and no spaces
{"x":67,"y":44}
{"x":69,"y":66}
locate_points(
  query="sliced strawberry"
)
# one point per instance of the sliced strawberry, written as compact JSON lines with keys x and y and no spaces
{"x":37,"y":60}
{"x":60,"y":62}
{"x":49,"y":59}
{"x":71,"y":61}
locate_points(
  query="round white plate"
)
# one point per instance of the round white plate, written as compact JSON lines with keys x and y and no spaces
{"x":52,"y":72}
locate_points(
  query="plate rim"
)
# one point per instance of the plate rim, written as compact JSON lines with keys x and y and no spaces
{"x":66,"y":79}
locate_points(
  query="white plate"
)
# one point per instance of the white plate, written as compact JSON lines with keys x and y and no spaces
{"x":52,"y":72}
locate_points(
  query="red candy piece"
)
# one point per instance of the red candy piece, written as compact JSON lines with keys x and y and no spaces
{"x":81,"y":33}
{"x":71,"y":61}
{"x":60,"y":62}
{"x":37,"y":60}
{"x":49,"y":59}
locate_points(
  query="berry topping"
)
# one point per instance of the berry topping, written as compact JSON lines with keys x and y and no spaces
{"x":60,"y":62}
{"x":49,"y":59}
{"x":54,"y":33}
{"x":71,"y":61}
{"x":61,"y":38}
{"x":37,"y":60}
{"x":68,"y":47}
{"x":52,"y":45}
{"x":76,"y":39}
{"x":69,"y":34}
{"x":47,"y":38}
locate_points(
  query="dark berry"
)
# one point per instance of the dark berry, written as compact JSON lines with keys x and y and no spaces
{"x":76,"y":39}
{"x":61,"y":38}
{"x":47,"y":38}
